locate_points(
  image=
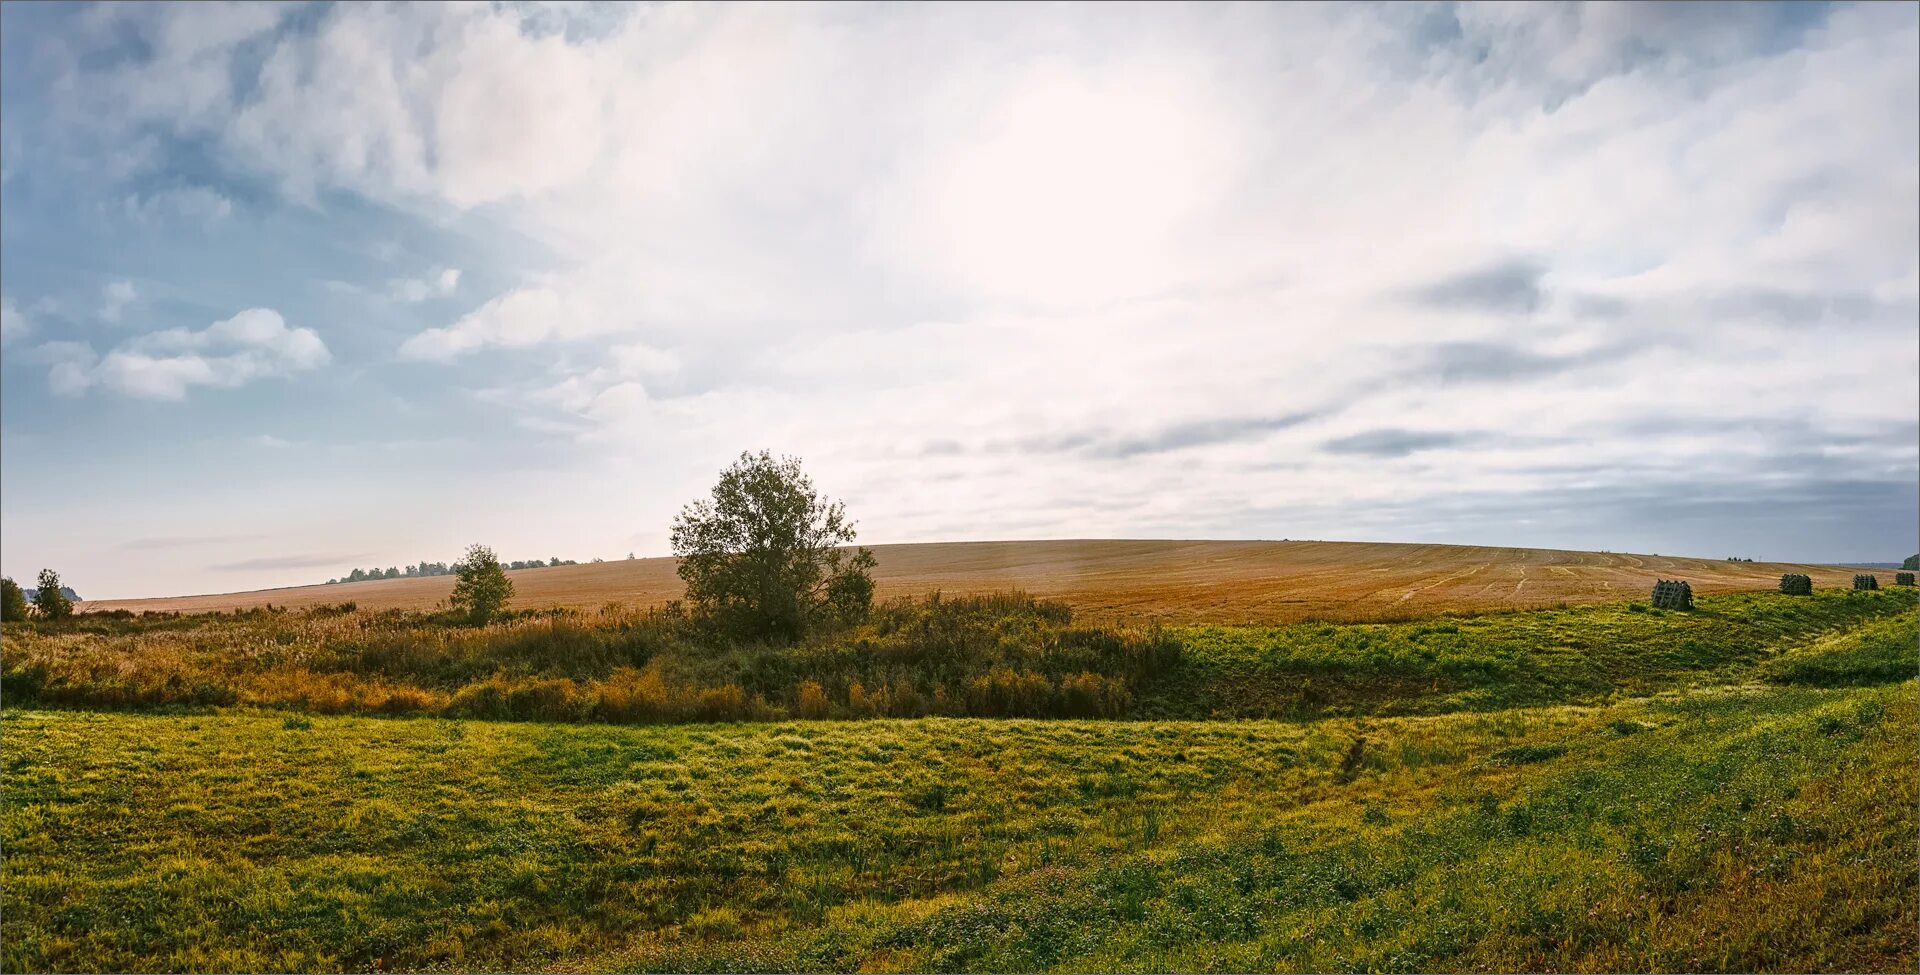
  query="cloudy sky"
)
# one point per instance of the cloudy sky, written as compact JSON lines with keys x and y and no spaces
{"x":289,"y":289}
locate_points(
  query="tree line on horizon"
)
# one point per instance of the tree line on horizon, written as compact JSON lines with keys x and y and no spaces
{"x":423,"y":569}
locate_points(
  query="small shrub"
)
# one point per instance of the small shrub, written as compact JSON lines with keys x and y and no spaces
{"x":811,"y":701}
{"x":725,"y":703}
{"x":484,"y":699}
{"x":1352,"y":761}
{"x":552,"y":699}
{"x":408,"y":700}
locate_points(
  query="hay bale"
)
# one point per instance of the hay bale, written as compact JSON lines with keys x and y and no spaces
{"x":1796,"y":585}
{"x":1673,"y":594}
{"x":1865,"y":580}
{"x":1903,"y":578}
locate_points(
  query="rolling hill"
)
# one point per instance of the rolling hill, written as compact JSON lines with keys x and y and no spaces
{"x":1178,"y":581}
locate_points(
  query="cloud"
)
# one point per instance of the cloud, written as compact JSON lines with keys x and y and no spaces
{"x":70,"y":366}
{"x":115,"y":298}
{"x":1178,"y":436}
{"x":1040,"y":244}
{"x":414,"y":290}
{"x":1394,"y":442}
{"x":14,"y":325}
{"x":1509,"y":287}
{"x":1206,"y":433}
{"x":164,"y":365}
{"x":193,"y":204}
{"x":1506,"y":362}
{"x":515,"y":320}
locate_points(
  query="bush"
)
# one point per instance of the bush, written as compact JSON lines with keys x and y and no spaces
{"x":13,"y":600}
{"x":486,"y":699}
{"x":630,"y":697}
{"x":725,"y":703}
{"x":811,"y":701}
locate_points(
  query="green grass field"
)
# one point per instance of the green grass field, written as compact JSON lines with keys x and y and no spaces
{"x":1600,"y":788}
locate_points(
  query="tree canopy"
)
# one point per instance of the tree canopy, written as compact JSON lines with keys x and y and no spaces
{"x":13,"y":600}
{"x":763,"y":556}
{"x":483,"y":587}
{"x":49,"y":600}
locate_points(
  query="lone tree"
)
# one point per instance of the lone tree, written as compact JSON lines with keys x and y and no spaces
{"x":483,"y":587}
{"x":52,"y":603}
{"x":13,"y":600}
{"x":762,"y":557}
{"x":1912,"y":562}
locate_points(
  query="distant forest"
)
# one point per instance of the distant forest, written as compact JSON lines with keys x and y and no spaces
{"x":442,"y":569}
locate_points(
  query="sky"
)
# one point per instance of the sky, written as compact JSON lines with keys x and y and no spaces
{"x":290,"y":289}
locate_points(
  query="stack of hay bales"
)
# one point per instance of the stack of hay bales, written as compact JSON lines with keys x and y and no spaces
{"x":1865,"y":581}
{"x":1796,"y":585}
{"x":1903,"y":578}
{"x":1672,"y":595}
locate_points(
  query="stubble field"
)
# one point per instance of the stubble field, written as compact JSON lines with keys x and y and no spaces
{"x":1134,"y":580}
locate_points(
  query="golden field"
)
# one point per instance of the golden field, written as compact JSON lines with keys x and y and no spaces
{"x":1177,"y":581}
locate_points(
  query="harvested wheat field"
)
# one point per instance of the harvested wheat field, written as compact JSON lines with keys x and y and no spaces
{"x":1177,"y":581}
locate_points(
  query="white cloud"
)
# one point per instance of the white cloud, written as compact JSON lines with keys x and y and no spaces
{"x":70,"y":366}
{"x":519,"y":318}
{"x":1087,"y":187}
{"x":995,"y":256}
{"x":164,"y":365}
{"x":14,"y":325}
{"x":196,"y":204}
{"x":115,"y":298}
{"x":440,"y":284}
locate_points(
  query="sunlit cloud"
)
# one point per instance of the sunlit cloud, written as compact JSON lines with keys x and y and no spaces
{"x":1246,"y":270}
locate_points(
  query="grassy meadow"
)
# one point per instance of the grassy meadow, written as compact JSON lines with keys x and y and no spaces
{"x":1003,"y":655}
{"x":1597,"y":787}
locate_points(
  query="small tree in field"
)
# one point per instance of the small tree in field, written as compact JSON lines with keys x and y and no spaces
{"x":49,"y":600}
{"x":483,"y":587}
{"x":13,"y":600}
{"x":762,"y":557}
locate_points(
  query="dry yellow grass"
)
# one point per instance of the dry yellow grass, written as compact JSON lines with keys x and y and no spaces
{"x":1179,"y":581}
